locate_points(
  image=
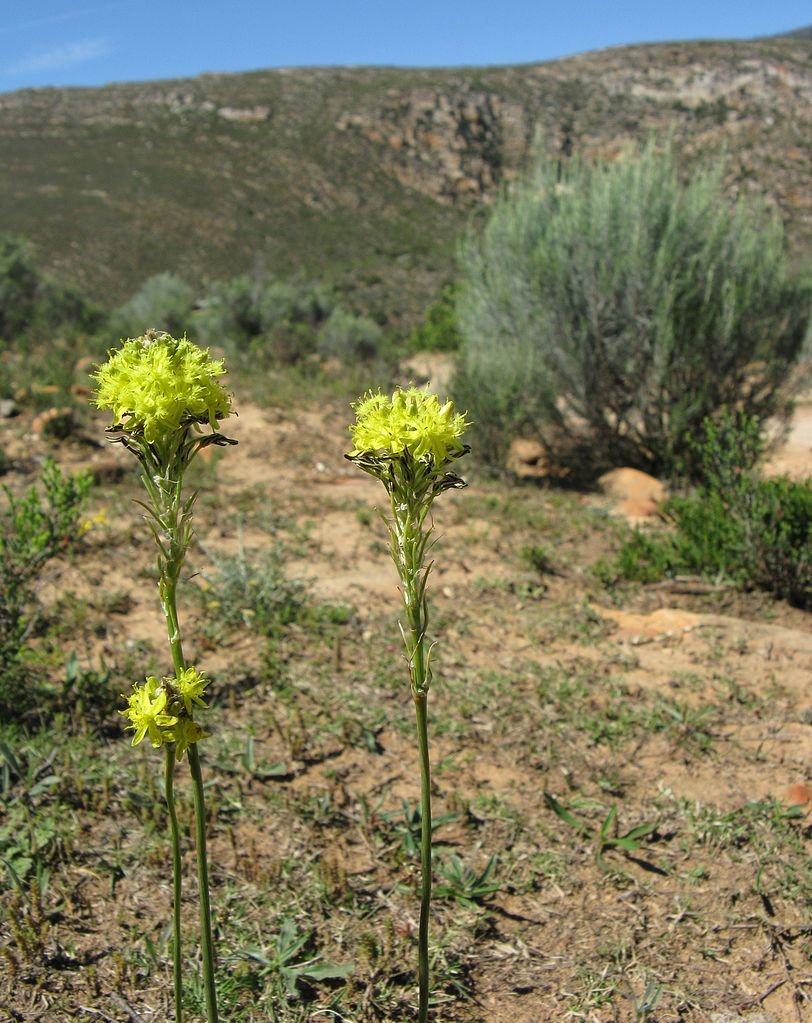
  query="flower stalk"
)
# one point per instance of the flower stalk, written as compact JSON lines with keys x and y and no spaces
{"x":177,"y":881}
{"x":162,"y":391}
{"x":409,"y":443}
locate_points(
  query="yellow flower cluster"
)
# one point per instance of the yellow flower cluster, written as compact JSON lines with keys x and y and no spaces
{"x":162,"y":710}
{"x":156,"y":384}
{"x":411,"y":420}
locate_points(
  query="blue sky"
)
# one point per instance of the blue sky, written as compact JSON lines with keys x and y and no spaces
{"x":92,"y":42}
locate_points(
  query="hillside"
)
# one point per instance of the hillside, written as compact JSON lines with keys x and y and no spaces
{"x":367,"y":176}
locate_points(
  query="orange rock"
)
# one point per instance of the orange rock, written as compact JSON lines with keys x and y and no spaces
{"x":666,"y":621}
{"x":632,"y":485}
{"x":637,"y":508}
{"x":107,"y":470}
{"x":800,"y":794}
{"x":54,"y":422}
{"x":528,"y":459}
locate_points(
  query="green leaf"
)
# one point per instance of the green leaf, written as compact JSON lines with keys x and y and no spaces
{"x":565,"y":815}
{"x":327,"y":971}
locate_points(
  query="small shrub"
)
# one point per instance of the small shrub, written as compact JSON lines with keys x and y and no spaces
{"x":439,"y":331}
{"x":349,"y":338}
{"x":230,"y":313}
{"x":251,"y":589}
{"x":644,"y":558}
{"x":729,"y":448}
{"x":30,"y":302}
{"x":778,"y":539}
{"x":539,"y":557}
{"x":756,"y":532}
{"x":91,"y":697}
{"x":276,"y":321}
{"x":163,"y":302}
{"x":19,"y":281}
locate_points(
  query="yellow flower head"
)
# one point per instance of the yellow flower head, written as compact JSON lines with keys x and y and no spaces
{"x":191,"y":684}
{"x":411,"y":420}
{"x":183,"y":734}
{"x":156,"y":385}
{"x":147,"y":712}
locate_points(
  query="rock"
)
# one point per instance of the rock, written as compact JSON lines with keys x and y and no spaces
{"x":451,"y":146}
{"x":8,"y":408}
{"x":57,"y":423}
{"x":432,"y":369}
{"x":637,"y":495}
{"x":636,"y":510}
{"x":527,"y":459}
{"x":632,"y":484}
{"x":800,"y":794}
{"x":760,"y":1016}
{"x":642,"y":628}
{"x":107,"y":470}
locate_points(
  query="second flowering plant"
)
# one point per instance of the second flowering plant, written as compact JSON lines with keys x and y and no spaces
{"x":411,"y":443}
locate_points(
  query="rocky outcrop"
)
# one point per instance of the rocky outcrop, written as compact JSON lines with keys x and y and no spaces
{"x":447,"y":146}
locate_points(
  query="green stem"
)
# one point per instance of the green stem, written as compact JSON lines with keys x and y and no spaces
{"x":420,"y":703}
{"x":168,"y":585}
{"x":206,"y":942}
{"x":410,"y":546}
{"x":173,"y":626}
{"x":169,"y":788}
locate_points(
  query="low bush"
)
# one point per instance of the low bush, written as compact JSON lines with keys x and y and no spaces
{"x":163,"y":302}
{"x":252,"y":589}
{"x":276,"y":321}
{"x":438,"y":331}
{"x":349,"y":338}
{"x":737,"y":525}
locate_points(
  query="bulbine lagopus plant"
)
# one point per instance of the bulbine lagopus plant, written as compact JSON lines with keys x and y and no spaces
{"x":411,"y":444}
{"x":167,"y":401}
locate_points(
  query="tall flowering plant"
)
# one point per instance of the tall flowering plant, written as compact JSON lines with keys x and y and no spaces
{"x":410,"y":442}
{"x":167,"y":401}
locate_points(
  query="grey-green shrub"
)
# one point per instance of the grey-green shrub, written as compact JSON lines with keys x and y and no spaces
{"x":609,"y":312}
{"x":252,"y":588}
{"x":275,"y":320}
{"x":163,"y":302}
{"x":348,"y":337}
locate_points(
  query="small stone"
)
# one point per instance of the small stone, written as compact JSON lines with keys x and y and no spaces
{"x":632,"y":485}
{"x":8,"y":408}
{"x":107,"y":470}
{"x":527,"y":459}
{"x":637,"y":495}
{"x":57,"y":423}
{"x":800,"y":794}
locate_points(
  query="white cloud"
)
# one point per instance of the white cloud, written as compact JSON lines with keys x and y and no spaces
{"x":53,"y":58}
{"x":55,"y":19}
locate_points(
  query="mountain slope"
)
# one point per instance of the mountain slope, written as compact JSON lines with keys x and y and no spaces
{"x":367,"y":176}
